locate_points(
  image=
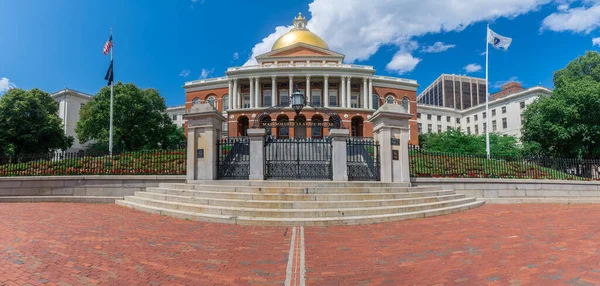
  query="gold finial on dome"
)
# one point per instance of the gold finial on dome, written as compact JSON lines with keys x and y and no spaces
{"x":299,"y":34}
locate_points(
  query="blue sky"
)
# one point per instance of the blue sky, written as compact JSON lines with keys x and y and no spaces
{"x":56,"y":44}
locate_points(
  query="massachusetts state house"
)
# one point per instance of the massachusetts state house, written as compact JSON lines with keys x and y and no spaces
{"x":301,"y":61}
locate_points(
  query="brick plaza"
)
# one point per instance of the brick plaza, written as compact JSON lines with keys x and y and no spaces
{"x":88,"y":244}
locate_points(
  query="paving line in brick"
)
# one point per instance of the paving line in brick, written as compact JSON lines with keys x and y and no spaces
{"x":296,"y":271}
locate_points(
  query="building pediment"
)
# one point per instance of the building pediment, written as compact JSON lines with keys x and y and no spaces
{"x":300,"y":50}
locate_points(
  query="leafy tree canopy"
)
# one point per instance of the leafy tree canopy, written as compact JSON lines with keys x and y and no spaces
{"x":29,"y":123}
{"x":567,"y":124}
{"x":455,"y":141}
{"x":139,"y":120}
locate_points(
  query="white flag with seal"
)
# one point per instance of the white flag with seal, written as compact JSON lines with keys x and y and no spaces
{"x":498,"y":41}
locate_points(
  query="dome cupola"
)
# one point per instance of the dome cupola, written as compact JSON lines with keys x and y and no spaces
{"x":299,"y":34}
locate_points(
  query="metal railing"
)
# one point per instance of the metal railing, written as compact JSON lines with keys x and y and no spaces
{"x":298,"y":159}
{"x":233,"y":160}
{"x":453,"y":165}
{"x":362,"y":158}
{"x":147,"y":162}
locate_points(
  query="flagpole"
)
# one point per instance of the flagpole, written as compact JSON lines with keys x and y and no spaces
{"x":110,"y":138}
{"x":487,"y":94}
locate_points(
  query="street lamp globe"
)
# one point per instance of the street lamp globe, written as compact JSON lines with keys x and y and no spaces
{"x":297,"y":101}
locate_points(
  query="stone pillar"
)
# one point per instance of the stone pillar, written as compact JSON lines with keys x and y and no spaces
{"x":290,"y":89}
{"x":235,"y":94}
{"x":251,"y":92}
{"x":326,"y":90}
{"x":349,"y":92}
{"x":257,"y":93}
{"x":370,"y":93}
{"x":342,"y":92}
{"x":391,"y":129}
{"x":365,"y":94}
{"x":230,"y":93}
{"x":204,"y":129}
{"x":307,"y":91}
{"x":257,"y":153}
{"x":338,"y":155}
{"x":274,"y":97}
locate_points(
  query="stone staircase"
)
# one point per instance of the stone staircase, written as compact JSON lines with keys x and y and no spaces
{"x":305,"y":203}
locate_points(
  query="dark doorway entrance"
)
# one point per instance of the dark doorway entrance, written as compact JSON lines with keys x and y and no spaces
{"x":300,"y":127}
{"x":357,"y":126}
{"x":243,"y":123}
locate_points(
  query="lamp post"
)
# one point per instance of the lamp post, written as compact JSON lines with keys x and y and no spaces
{"x":297,"y":101}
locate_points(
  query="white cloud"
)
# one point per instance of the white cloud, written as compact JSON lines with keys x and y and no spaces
{"x":596,"y":42}
{"x":205,"y":73}
{"x":184,"y":73}
{"x":471,"y":68}
{"x":482,"y":53}
{"x":402,"y":62}
{"x":499,"y":84}
{"x":562,"y":7}
{"x":438,"y":47}
{"x":582,"y":19}
{"x":358,"y":30}
{"x":5,"y":85}
{"x":236,"y":55}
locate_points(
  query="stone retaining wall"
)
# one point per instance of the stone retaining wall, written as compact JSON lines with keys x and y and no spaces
{"x":114,"y":186}
{"x":519,"y":190}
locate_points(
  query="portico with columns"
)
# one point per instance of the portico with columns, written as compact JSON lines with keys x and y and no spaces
{"x":302,"y":60}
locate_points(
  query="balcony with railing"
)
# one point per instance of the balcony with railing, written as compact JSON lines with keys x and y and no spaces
{"x":300,"y":64}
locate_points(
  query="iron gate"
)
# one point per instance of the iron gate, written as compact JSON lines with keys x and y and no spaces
{"x":298,"y":159}
{"x":233,"y":160}
{"x":362,"y":159}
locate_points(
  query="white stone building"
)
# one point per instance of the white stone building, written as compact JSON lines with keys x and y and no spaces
{"x":176,"y":114}
{"x":506,"y":114}
{"x":70,"y":102}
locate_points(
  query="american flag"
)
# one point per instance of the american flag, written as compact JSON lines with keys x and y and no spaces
{"x":107,"y":46}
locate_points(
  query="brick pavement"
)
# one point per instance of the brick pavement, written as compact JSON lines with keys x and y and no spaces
{"x":81,"y":244}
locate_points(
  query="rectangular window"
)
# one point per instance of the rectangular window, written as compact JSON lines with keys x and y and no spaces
{"x":477,"y":129}
{"x":81,"y":105}
{"x":429,"y":128}
{"x":493,"y":112}
{"x":522,"y":104}
{"x":468,"y":119}
{"x":428,"y":116}
{"x":494,"y":128}
{"x":316,"y":97}
{"x":246,"y":98}
{"x":418,"y":115}
{"x":504,"y":124}
{"x":333,"y":97}
{"x":484,"y":127}
{"x":457,"y":120}
{"x":475,"y":117}
{"x":503,"y":109}
{"x":267,"y":97}
{"x":354,"y":99}
{"x":469,"y":130}
{"x":174,"y":117}
{"x":484,"y":115}
{"x":439,"y":118}
{"x":225,"y":102}
{"x":284,"y":97}
{"x":439,"y":128}
{"x":448,"y":119}
{"x":420,"y":128}
{"x":522,"y":119}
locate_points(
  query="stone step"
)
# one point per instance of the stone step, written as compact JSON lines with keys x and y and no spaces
{"x":295,"y":213}
{"x":296,"y":197}
{"x":318,"y":221}
{"x":296,"y":204}
{"x":294,"y":183}
{"x":60,"y":199}
{"x":298,"y":188}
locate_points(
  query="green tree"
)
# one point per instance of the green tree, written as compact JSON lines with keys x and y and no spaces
{"x":139,"y":120}
{"x":29,"y":123}
{"x":455,"y":141}
{"x":567,"y":124}
{"x":175,"y":137}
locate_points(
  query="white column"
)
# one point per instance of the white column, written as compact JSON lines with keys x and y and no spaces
{"x":365,"y":94}
{"x":291,"y":88}
{"x":349,"y":92}
{"x":257,"y":93}
{"x":235,"y":94}
{"x":326,"y":90}
{"x":230,"y":93}
{"x":274,"y":96}
{"x":251,"y":92}
{"x":307,"y":90}
{"x":370,"y":93}
{"x":342,"y":92}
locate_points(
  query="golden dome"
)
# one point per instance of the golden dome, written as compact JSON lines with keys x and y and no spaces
{"x":299,"y":34}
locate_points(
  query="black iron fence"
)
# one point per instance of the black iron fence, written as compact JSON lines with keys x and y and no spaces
{"x":452,"y":165}
{"x":147,"y":162}
{"x":303,"y":159}
{"x":363,"y":159}
{"x":233,"y":160}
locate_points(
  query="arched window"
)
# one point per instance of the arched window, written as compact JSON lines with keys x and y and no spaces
{"x":390,"y":99}
{"x":405,"y":104}
{"x":375,"y":101}
{"x":225,"y":102}
{"x":195,"y":101}
{"x":211,"y":101}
